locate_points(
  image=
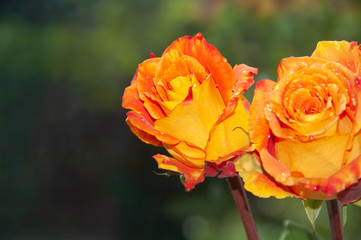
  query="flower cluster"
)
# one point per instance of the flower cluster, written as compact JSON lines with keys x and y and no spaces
{"x":300,"y":137}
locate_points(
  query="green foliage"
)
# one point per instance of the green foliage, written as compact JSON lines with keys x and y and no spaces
{"x":293,"y":231}
{"x":312,"y":208}
{"x":344,"y":215}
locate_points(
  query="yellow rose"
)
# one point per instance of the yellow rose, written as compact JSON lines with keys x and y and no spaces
{"x":306,"y":127}
{"x":190,"y":101}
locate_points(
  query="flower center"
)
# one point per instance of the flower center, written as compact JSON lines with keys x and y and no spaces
{"x":178,"y":91}
{"x":309,"y":100}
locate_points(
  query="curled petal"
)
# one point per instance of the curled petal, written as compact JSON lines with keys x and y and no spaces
{"x":256,"y":181}
{"x":144,"y":136}
{"x":224,"y":169}
{"x":262,"y":186}
{"x":144,"y":123}
{"x":277,"y":170}
{"x":187,"y":154}
{"x":192,"y":176}
{"x":244,"y":78}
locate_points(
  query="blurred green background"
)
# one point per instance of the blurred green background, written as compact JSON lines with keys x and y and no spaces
{"x":70,"y":167}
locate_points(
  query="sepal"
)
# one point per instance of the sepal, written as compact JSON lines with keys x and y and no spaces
{"x":312,"y":208}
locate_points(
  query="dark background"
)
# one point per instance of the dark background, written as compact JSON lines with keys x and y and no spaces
{"x":70,"y":167}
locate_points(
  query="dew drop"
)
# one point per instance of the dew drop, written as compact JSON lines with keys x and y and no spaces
{"x":354,"y":101}
{"x":315,"y":188}
{"x":142,"y":119}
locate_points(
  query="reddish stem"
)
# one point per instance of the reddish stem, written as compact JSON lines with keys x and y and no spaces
{"x":335,"y":216}
{"x":240,"y":198}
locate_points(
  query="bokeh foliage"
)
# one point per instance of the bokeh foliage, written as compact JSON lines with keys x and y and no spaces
{"x":70,"y":168}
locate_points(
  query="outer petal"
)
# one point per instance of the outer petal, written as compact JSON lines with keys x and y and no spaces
{"x":344,"y":178}
{"x":191,"y":121}
{"x":230,"y":132}
{"x":226,"y":169}
{"x":258,"y":125}
{"x":229,"y":135}
{"x":192,"y":176}
{"x":189,"y":155}
{"x":144,"y":136}
{"x":144,"y":79}
{"x":244,"y":79}
{"x":276,"y":169}
{"x":319,"y":158}
{"x":262,"y":186}
{"x":348,"y":54}
{"x":256,"y":181}
{"x":210,"y":58}
{"x":334,"y":186}
{"x":351,"y":194}
{"x":144,"y":123}
{"x":131,"y":98}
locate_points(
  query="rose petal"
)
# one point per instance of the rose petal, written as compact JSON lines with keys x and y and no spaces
{"x":315,"y":159}
{"x":191,"y":121}
{"x":348,"y":54}
{"x":351,"y":194}
{"x":189,"y":155}
{"x":244,"y":78}
{"x":262,"y":186}
{"x":258,"y":126}
{"x":229,"y":135}
{"x":192,"y":176}
{"x":143,"y":123}
{"x":344,"y":178}
{"x":144,"y":78}
{"x":144,"y":136}
{"x":224,"y":169}
{"x":210,"y":58}
{"x":276,"y":169}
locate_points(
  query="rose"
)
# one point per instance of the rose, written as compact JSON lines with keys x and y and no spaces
{"x":190,"y":101}
{"x":306,"y":127}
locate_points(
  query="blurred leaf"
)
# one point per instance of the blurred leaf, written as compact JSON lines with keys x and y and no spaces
{"x":344,"y":214}
{"x":358,"y":203}
{"x":312,"y":208}
{"x":293,"y":231}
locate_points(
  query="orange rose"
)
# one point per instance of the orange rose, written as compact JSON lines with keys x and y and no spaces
{"x":306,"y":127}
{"x":187,"y":101}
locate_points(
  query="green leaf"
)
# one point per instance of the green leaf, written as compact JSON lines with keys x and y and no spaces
{"x":344,"y":214}
{"x":293,"y":231}
{"x":358,"y":203}
{"x":312,"y":208}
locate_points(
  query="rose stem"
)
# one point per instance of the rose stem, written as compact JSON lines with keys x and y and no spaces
{"x":335,"y":216}
{"x":240,"y":198}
